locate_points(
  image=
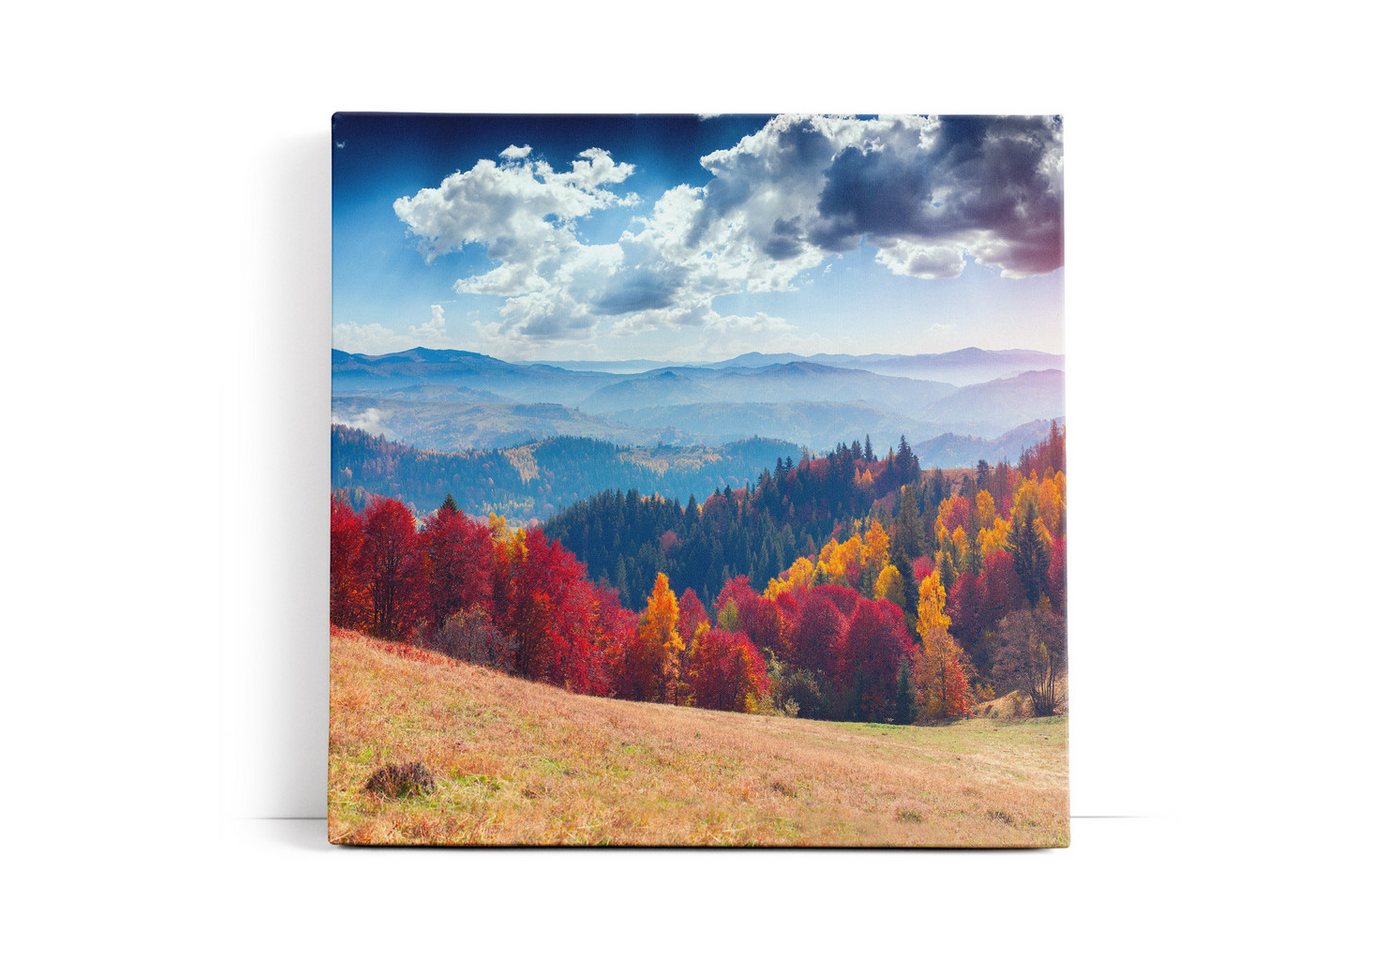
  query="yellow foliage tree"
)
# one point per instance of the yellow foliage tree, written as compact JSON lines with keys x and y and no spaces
{"x":800,"y":574}
{"x":499,"y":527}
{"x":960,"y":548}
{"x":940,"y":532}
{"x":889,"y":585}
{"x":932,"y":601}
{"x":660,"y":639}
{"x":838,"y":557}
{"x":994,"y":538}
{"x":984,"y":512}
{"x":943,"y":682}
{"x":877,"y":546}
{"x":1048,"y":497}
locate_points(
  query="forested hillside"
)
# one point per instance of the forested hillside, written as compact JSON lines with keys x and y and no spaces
{"x":754,"y":531}
{"x":908,"y":595}
{"x":533,"y":480}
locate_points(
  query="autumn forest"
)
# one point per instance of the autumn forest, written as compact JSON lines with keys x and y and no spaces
{"x":848,"y":586}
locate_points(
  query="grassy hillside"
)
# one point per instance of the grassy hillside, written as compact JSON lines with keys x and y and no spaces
{"x":518,"y":762}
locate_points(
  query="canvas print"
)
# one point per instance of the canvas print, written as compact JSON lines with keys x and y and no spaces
{"x":698,"y":480}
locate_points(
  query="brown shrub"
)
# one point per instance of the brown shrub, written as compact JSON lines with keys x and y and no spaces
{"x":397,"y":780}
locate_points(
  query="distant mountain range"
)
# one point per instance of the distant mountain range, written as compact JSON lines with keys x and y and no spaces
{"x":457,"y":400}
{"x":958,"y":367}
{"x":953,"y":450}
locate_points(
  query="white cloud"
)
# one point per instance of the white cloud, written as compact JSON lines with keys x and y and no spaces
{"x":928,"y":193}
{"x":434,"y":330}
{"x":523,"y":213}
{"x":921,"y":260}
{"x":370,"y":338}
{"x":371,"y":420}
{"x":376,"y":338}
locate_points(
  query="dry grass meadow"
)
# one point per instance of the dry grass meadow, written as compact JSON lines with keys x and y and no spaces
{"x":522,"y":763}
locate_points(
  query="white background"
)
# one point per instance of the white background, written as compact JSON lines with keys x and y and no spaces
{"x":1231,"y":244}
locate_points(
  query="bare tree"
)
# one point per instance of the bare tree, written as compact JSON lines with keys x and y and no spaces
{"x":470,"y":635}
{"x":1030,"y":656}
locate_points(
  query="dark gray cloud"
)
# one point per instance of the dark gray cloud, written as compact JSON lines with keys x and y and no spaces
{"x":989,"y":187}
{"x":633,"y":289}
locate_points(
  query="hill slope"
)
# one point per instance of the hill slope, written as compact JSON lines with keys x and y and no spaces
{"x":518,"y":762}
{"x":992,"y":408}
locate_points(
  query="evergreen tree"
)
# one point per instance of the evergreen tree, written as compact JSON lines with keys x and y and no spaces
{"x":904,"y":695}
{"x":624,"y":594}
{"x":907,"y":538}
{"x":1028,"y":551}
{"x":910,"y":587}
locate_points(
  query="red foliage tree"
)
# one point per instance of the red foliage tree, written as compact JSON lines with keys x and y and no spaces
{"x":842,"y":597}
{"x":727,"y":672}
{"x":692,"y":615}
{"x":391,"y":567}
{"x":460,"y":558}
{"x":965,"y":603}
{"x":789,"y":605}
{"x":957,"y":699}
{"x":347,"y":594}
{"x":1002,"y":590}
{"x":758,"y":617}
{"x":818,"y":634}
{"x":876,"y":642}
{"x":576,"y":640}
{"x":539,"y":603}
{"x":617,"y":637}
{"x":923,"y":566}
{"x":956,"y":512}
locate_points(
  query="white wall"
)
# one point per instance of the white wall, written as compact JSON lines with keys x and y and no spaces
{"x":1230,"y":323}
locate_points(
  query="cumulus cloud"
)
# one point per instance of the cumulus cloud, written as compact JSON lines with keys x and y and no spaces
{"x":928,"y":193}
{"x":523,"y":213}
{"x":434,"y":329}
{"x":921,"y":259}
{"x":376,"y":338}
{"x":371,"y":338}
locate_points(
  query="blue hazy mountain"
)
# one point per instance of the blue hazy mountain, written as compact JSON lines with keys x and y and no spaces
{"x":456,"y":400}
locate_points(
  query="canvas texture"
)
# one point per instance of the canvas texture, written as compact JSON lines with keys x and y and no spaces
{"x":698,"y":481}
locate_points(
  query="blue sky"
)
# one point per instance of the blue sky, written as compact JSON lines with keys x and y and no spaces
{"x":682,"y":238}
